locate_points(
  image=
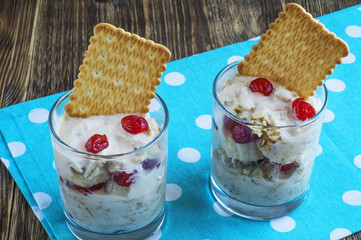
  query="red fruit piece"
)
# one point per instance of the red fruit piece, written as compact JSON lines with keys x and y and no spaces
{"x":228,"y":123}
{"x":134,"y":124}
{"x":97,"y":143}
{"x":86,"y":190}
{"x":302,"y":109}
{"x":122,"y":178}
{"x":242,"y":134}
{"x":287,"y":167}
{"x":261,"y":85}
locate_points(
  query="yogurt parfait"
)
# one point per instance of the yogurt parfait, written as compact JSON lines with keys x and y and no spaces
{"x":109,"y":136}
{"x":264,"y":143}
{"x":111,"y":168}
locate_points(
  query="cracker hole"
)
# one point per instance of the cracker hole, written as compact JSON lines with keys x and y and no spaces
{"x":110,"y":99}
{"x":131,"y":47}
{"x":137,"y":89}
{"x":151,"y":56}
{"x":90,"y":91}
{"x":145,"y":72}
{"x":109,"y":39}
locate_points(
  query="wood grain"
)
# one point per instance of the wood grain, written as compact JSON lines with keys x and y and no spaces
{"x":42,"y":44}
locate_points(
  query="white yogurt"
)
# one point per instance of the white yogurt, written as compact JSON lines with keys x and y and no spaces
{"x":90,"y":195}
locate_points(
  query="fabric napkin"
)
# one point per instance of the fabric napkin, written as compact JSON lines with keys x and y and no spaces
{"x":331,"y":210}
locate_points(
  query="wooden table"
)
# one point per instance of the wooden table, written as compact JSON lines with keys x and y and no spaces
{"x":42,"y":44}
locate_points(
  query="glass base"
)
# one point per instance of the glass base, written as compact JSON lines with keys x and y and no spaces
{"x":252,"y":211}
{"x":84,"y":234}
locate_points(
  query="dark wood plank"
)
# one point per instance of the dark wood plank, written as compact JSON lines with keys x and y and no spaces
{"x":17,"y":22}
{"x":42,"y":44}
{"x":16,"y":27}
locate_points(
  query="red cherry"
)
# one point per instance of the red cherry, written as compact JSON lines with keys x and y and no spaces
{"x":122,"y":178}
{"x":302,"y":109}
{"x":242,"y":134}
{"x":97,"y":143}
{"x":134,"y":124}
{"x":261,"y":85}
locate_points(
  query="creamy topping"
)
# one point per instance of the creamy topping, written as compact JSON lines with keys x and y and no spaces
{"x":76,"y":131}
{"x":272,"y":110}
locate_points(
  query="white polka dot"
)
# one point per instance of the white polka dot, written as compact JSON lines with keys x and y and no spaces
{"x":5,"y":162}
{"x":189,"y":155}
{"x":38,"y":115}
{"x":335,"y":85}
{"x":16,"y":148}
{"x":349,"y":59}
{"x":155,"y":236}
{"x":339,"y":233}
{"x":154,"y":105}
{"x":353,"y":31}
{"x":38,"y":212}
{"x":204,"y":121}
{"x":357,"y":161}
{"x":255,"y":38}
{"x":319,"y":150}
{"x":283,"y":224}
{"x":173,"y":192}
{"x":43,"y":199}
{"x":352,"y":198}
{"x":174,"y":79}
{"x":329,"y":116}
{"x":221,"y":210}
{"x":359,"y":9}
{"x":234,"y":59}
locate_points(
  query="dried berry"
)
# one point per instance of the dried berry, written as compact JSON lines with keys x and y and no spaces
{"x":97,"y":143}
{"x":86,"y":190}
{"x":287,"y":167}
{"x":261,"y":85}
{"x":229,"y":123}
{"x":122,"y":178}
{"x":242,"y":134}
{"x":149,"y":164}
{"x":134,"y":124}
{"x":302,"y":109}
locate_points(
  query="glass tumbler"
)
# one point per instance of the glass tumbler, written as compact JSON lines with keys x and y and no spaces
{"x":95,"y":205}
{"x":264,"y":178}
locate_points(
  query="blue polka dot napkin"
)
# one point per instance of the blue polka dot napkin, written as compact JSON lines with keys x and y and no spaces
{"x":331,"y":210}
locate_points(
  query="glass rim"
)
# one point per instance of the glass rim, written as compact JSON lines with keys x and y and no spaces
{"x":93,"y":156}
{"x":224,"y":109}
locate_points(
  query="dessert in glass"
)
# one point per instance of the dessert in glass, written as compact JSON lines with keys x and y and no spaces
{"x":264,"y":144}
{"x":112,"y":171}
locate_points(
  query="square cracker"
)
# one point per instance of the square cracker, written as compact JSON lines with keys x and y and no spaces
{"x":119,"y":74}
{"x":296,"y":51}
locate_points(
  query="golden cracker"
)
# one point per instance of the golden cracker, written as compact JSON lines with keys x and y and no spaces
{"x":119,"y":74}
{"x":296,"y":51}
